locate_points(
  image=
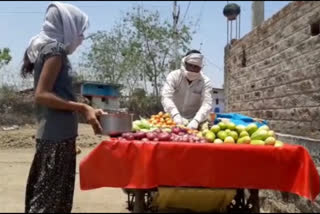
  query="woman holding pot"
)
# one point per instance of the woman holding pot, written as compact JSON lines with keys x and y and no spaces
{"x":50,"y":185}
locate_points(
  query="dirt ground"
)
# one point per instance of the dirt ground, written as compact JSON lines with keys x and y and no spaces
{"x":16,"y":153}
{"x":23,"y":137}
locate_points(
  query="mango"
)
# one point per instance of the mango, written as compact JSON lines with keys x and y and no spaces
{"x":222,"y":125}
{"x":264,"y":127}
{"x":259,"y":135}
{"x":218,"y":141}
{"x":231,"y":126}
{"x":234,"y":135}
{"x":279,"y":143}
{"x":251,"y":128}
{"x":257,"y":142}
{"x":222,"y":135}
{"x":243,"y":134}
{"x":215,"y":129}
{"x":271,"y":133}
{"x":229,"y":140}
{"x":210,"y":136}
{"x":270,"y":141}
{"x":240,"y":128}
{"x":244,"y":140}
{"x":204,"y":132}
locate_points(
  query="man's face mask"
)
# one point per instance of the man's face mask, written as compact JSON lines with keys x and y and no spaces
{"x":192,"y":72}
{"x":192,"y":68}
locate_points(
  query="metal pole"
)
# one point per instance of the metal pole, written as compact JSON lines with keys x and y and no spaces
{"x":236,"y":27}
{"x":231,"y":32}
{"x":175,"y":21}
{"x":239,"y":25}
{"x":139,"y":201}
{"x":227,"y":32}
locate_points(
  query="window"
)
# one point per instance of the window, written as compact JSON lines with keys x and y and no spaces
{"x":244,"y":58}
{"x":315,"y":28}
{"x":217,"y":101}
{"x":105,"y":100}
{"x":215,"y":92}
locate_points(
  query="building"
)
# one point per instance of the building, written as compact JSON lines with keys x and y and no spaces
{"x":272,"y":73}
{"x":218,"y":100}
{"x":100,"y":95}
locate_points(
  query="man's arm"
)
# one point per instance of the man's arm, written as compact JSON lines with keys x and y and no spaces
{"x":167,"y":95}
{"x":206,"y":105}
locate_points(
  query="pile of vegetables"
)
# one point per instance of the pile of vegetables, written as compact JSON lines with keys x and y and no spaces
{"x":229,"y":133}
{"x":176,"y":134}
{"x":162,"y":120}
{"x":160,"y":127}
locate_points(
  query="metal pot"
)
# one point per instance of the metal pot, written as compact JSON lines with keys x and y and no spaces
{"x":114,"y":124}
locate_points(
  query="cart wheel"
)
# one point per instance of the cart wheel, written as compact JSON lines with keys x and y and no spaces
{"x":147,"y":202}
{"x":253,"y":201}
{"x":240,"y":205}
{"x":130,"y":201}
{"x":237,"y":205}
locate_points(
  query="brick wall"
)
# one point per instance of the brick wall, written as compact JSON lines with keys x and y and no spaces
{"x":274,"y":71}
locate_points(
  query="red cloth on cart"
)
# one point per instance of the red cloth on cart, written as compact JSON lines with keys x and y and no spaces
{"x":144,"y":165}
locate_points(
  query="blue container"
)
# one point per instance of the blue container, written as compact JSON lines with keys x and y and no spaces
{"x":100,"y":90}
{"x":239,"y":119}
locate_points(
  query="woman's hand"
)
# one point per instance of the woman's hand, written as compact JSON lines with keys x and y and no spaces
{"x":99,"y":112}
{"x":92,"y":115}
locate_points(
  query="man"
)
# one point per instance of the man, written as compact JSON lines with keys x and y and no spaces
{"x":186,"y":94}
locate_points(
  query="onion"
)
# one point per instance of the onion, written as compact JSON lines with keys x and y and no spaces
{"x":139,"y":135}
{"x":164,"y":136}
{"x":128,"y":136}
{"x":175,"y":130}
{"x":203,"y":141}
{"x":151,"y":135}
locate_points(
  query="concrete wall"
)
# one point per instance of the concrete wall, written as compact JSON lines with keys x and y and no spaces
{"x":273,"y":72}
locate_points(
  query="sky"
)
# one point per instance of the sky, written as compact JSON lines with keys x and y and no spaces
{"x":20,"y":20}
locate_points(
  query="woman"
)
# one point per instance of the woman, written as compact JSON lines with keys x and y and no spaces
{"x":50,"y":184}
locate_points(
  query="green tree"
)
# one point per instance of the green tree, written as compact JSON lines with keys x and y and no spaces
{"x":137,"y":51}
{"x":155,"y":41}
{"x":5,"y":56}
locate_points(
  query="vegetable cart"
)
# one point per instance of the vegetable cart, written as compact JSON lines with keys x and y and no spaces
{"x":139,"y":168}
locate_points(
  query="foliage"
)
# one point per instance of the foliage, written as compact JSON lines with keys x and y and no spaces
{"x":5,"y":56}
{"x":141,"y":104}
{"x":137,"y":52}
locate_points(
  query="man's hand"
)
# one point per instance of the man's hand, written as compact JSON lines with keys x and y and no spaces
{"x":92,"y":115}
{"x":193,"y":124}
{"x":180,"y":120}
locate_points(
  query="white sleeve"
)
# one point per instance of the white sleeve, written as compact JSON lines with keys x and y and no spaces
{"x":167,"y":94}
{"x":206,"y":105}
